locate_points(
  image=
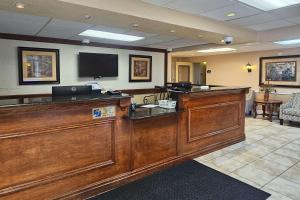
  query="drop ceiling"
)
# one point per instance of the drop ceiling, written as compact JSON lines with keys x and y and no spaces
{"x":248,"y":47}
{"x":16,"y":23}
{"x":246,"y":16}
{"x":196,"y":23}
{"x":65,"y":19}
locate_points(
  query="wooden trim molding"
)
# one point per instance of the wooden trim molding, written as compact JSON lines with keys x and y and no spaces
{"x":219,"y":130}
{"x":75,"y":42}
{"x":128,"y":91}
{"x":21,"y":96}
{"x":141,"y":91}
{"x":166,"y":68}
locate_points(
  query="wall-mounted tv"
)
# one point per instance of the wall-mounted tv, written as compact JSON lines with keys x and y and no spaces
{"x":98,"y":65}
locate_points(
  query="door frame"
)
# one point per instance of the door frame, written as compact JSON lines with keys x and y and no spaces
{"x":190,"y":67}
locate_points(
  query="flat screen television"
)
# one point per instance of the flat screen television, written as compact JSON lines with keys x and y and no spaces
{"x":98,"y":65}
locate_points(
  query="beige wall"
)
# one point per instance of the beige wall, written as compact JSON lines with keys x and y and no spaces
{"x":69,"y":68}
{"x":229,"y":69}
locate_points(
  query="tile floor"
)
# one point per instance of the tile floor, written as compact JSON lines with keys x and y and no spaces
{"x":268,"y":159}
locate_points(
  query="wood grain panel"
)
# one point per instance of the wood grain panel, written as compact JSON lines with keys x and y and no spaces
{"x":154,"y":139}
{"x":51,"y":155}
{"x":29,"y":119}
{"x":57,"y":151}
{"x":210,"y":120}
{"x":205,"y":121}
{"x":21,"y":97}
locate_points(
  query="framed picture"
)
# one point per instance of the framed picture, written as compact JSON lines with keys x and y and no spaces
{"x":280,"y":71}
{"x":38,"y":66}
{"x":140,"y":68}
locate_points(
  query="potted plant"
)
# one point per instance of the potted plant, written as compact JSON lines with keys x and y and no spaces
{"x":267,"y":89}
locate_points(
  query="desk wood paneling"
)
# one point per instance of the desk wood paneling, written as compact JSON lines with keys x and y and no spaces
{"x":58,"y":151}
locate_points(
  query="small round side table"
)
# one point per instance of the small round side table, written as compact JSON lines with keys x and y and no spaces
{"x":270,"y":106}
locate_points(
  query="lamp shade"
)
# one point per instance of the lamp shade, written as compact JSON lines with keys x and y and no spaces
{"x":249,"y":67}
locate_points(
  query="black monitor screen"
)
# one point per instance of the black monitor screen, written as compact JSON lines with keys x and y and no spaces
{"x":95,"y":65}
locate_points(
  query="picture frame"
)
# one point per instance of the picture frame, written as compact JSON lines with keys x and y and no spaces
{"x":140,"y":68}
{"x":38,"y":66}
{"x":280,"y":71}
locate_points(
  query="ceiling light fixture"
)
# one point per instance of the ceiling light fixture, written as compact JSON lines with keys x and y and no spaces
{"x":216,"y":50}
{"x":200,"y":36}
{"x":172,"y":31}
{"x":267,"y":5}
{"x":20,"y":5}
{"x":288,"y":42}
{"x":231,"y":14}
{"x":135,"y":25}
{"x":110,"y":36}
{"x":87,"y":17}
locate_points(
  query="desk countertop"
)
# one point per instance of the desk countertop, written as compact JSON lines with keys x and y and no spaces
{"x":53,"y":100}
{"x":142,"y":113}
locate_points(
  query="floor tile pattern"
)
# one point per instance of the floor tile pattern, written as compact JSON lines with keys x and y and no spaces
{"x":268,"y":159}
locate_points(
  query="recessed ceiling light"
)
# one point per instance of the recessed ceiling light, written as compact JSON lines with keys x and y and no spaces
{"x":87,"y":17}
{"x":135,"y":25}
{"x":111,"y":36}
{"x":216,"y":50}
{"x":231,"y":14}
{"x":288,"y":42}
{"x":85,"y":41}
{"x":267,"y":5}
{"x":20,"y":5}
{"x":200,"y":36}
{"x":172,"y":31}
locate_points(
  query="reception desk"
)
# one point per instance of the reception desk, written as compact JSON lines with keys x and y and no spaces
{"x":63,"y":149}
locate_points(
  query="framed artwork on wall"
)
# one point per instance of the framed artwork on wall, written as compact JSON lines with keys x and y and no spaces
{"x":280,"y":71}
{"x":140,"y":68}
{"x":38,"y":66}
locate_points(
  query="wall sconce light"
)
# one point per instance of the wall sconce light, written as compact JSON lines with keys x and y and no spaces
{"x":249,"y":67}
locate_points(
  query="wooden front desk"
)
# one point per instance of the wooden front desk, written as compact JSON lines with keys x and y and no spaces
{"x":56,"y":150}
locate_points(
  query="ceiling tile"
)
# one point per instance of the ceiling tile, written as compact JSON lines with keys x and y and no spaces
{"x":271,"y":25}
{"x":254,"y":19}
{"x":100,"y":40}
{"x":180,"y":43}
{"x":240,"y":10}
{"x":157,"y":2}
{"x":287,"y":12}
{"x":294,"y":20}
{"x":147,"y":41}
{"x":158,"y":46}
{"x":140,"y":33}
{"x":63,"y":29}
{"x":155,"y":40}
{"x":197,"y":6}
{"x":11,"y":22}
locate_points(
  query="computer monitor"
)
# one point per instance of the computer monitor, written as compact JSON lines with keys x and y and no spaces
{"x":71,"y":90}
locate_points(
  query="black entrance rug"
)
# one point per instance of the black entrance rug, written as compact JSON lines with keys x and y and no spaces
{"x":188,"y":181}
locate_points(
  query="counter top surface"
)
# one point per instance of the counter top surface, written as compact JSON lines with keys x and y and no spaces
{"x":198,"y":89}
{"x":53,"y":100}
{"x":104,"y":97}
{"x":142,"y":113}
